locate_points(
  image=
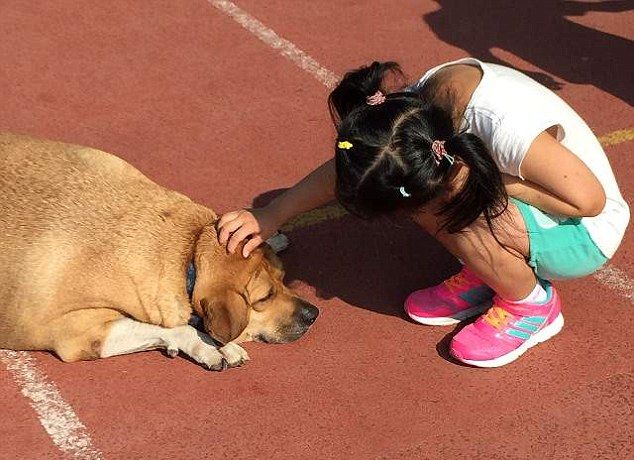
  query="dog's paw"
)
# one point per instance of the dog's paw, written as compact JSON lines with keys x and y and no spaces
{"x":172,"y":351}
{"x":209,"y":357}
{"x":234,"y":354}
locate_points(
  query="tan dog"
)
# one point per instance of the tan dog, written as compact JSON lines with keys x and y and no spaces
{"x":94,"y":259}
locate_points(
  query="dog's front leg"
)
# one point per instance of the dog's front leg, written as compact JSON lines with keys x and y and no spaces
{"x":129,"y":336}
{"x":234,"y":354}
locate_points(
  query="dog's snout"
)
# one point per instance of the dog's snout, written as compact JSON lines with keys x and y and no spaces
{"x":308,"y":314}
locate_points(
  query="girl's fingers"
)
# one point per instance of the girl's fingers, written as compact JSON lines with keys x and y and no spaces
{"x":228,"y":228}
{"x":238,"y":236}
{"x":227,"y":218}
{"x":251,"y":245}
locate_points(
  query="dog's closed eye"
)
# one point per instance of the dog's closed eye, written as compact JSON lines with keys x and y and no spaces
{"x":267,"y":296}
{"x":260,"y":288}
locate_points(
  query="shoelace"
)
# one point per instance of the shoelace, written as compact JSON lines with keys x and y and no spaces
{"x":497,"y":317}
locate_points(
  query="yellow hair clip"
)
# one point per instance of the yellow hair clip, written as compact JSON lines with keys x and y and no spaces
{"x":344,"y":145}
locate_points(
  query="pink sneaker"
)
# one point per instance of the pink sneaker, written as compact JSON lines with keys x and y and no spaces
{"x":507,"y":330}
{"x":460,"y":297}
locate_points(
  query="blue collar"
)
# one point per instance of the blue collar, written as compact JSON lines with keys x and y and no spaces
{"x":191,"y":279}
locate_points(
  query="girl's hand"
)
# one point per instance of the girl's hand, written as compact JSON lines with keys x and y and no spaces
{"x":316,"y":189}
{"x":234,"y":227}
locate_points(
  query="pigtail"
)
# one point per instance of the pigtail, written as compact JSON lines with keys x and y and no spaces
{"x":424,"y":177}
{"x":389,"y":164}
{"x":483,"y":192}
{"x":357,"y":85}
{"x":400,"y":153}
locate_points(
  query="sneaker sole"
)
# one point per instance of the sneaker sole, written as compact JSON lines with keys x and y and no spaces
{"x":449,"y":320}
{"x":548,"y":332}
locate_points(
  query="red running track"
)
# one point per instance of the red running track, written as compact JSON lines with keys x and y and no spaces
{"x":200,"y":105}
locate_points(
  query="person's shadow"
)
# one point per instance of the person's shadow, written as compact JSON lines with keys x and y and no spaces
{"x":370,"y":265}
{"x":538,"y":32}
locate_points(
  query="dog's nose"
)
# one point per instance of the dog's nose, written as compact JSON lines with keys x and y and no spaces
{"x":309,"y":314}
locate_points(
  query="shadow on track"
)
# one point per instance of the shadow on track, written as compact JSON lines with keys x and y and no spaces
{"x":540,"y":32}
{"x":371,"y":265}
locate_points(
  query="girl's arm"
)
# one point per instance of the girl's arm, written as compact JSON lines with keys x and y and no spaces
{"x":556,"y":181}
{"x":314,"y":190}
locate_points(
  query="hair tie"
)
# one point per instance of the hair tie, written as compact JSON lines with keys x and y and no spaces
{"x":345,"y":145}
{"x":438,"y":149}
{"x":376,"y":99}
{"x":404,"y":192}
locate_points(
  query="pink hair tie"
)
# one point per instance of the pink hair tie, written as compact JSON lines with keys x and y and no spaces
{"x":438,"y":149}
{"x":376,"y":99}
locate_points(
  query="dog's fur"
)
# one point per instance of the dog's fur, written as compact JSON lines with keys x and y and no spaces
{"x":93,"y":261}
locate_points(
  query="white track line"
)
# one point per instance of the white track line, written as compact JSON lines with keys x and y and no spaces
{"x":609,"y":276}
{"x":616,"y":280}
{"x":56,"y":416}
{"x":285,"y":48}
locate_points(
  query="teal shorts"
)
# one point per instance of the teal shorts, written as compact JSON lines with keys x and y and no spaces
{"x":559,"y":248}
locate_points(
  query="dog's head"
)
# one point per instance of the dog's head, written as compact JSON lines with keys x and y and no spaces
{"x":245,"y":299}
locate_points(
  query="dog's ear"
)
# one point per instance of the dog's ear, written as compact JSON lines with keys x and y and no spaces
{"x":225,"y":316}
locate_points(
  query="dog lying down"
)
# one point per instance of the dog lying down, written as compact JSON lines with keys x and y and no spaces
{"x":95,"y":257}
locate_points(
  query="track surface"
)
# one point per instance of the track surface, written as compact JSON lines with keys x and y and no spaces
{"x":201,"y":105}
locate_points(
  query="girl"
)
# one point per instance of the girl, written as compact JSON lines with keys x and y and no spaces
{"x":497,"y":167}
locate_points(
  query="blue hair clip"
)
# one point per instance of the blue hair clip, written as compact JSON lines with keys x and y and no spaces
{"x":404,"y":192}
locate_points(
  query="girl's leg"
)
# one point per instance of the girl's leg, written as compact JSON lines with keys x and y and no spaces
{"x":501,"y":265}
{"x":516,"y":321}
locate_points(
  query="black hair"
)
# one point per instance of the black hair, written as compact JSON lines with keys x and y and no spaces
{"x":384,"y":158}
{"x":357,"y":85}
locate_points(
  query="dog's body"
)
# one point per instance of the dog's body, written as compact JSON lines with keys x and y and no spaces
{"x":94,"y":256}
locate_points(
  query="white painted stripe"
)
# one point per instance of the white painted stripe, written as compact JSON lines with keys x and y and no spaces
{"x":285,"y":48}
{"x":616,"y":280}
{"x":56,"y":416}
